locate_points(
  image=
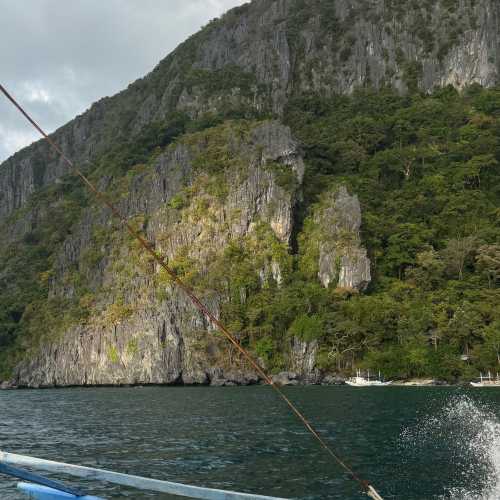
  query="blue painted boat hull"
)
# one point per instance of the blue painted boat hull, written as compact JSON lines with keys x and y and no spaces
{"x":37,"y":492}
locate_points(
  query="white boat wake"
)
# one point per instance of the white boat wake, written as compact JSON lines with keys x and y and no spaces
{"x":472,"y":434}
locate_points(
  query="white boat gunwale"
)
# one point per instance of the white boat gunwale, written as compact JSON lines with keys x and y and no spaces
{"x":128,"y":480}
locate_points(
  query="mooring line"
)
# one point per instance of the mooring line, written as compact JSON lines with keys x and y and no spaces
{"x":366,"y":486}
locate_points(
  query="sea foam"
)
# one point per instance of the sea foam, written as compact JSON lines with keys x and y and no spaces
{"x":471,"y":434}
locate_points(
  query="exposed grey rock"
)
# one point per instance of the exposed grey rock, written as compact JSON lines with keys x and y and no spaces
{"x":303,"y":358}
{"x":285,"y":378}
{"x":335,"y":51}
{"x":333,"y":380}
{"x":7,"y":385}
{"x":233,"y":377}
{"x":441,"y":382}
{"x":164,"y":340}
{"x":274,"y":51}
{"x":199,"y":378}
{"x":343,"y":262}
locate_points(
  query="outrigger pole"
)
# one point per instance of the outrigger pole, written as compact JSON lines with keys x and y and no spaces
{"x":131,"y":481}
{"x":35,"y":478}
{"x":149,"y":248}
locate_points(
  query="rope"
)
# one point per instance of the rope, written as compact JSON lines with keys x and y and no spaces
{"x":372,"y":492}
{"x":367,"y":488}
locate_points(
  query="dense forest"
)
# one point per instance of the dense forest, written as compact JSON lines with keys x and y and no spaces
{"x":426,"y":170}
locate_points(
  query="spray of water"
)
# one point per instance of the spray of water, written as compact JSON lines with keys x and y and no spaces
{"x":470,"y":433}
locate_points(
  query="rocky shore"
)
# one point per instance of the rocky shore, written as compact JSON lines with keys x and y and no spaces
{"x":234,"y":378}
{"x":217,"y":378}
{"x":416,"y":382}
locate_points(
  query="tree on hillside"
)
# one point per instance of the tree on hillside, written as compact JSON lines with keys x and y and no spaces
{"x":428,"y":272}
{"x":492,"y":339}
{"x":488,"y":263}
{"x":456,"y":254}
{"x":465,"y":327}
{"x":469,"y":174}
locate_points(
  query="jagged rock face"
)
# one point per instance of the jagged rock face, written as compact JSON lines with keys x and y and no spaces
{"x":160,"y":344}
{"x":303,"y":359}
{"x":256,"y":58}
{"x":420,"y":44}
{"x":343,"y":262}
{"x":260,"y":54}
{"x":476,"y":58}
{"x":163,"y":340}
{"x":354,"y":270}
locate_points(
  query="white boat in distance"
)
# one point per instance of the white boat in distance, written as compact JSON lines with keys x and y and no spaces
{"x":487,"y":381}
{"x":360,"y":381}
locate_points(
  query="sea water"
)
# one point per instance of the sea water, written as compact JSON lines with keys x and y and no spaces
{"x":470,"y":431}
{"x":412,"y":443}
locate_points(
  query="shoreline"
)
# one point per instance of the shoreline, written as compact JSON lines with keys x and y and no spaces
{"x":281,"y":380}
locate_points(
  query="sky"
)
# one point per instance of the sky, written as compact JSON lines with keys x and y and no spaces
{"x":59,"y":56}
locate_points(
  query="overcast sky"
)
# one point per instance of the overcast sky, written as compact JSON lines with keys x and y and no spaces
{"x":59,"y":56}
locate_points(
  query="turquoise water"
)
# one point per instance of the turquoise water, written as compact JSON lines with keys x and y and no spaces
{"x":412,"y":443}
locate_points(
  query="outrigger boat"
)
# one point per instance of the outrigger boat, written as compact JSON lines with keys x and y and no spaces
{"x":487,"y":381}
{"x":360,"y":381}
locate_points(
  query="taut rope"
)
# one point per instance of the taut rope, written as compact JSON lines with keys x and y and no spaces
{"x":367,"y":488}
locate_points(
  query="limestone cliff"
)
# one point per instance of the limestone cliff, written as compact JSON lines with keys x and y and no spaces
{"x":196,"y":155}
{"x":342,"y":260}
{"x":259,"y":55}
{"x":191,"y":205}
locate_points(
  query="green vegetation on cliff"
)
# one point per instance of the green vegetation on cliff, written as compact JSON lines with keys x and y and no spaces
{"x":426,"y":170}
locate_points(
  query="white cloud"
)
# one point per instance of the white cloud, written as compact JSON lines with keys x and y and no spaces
{"x":34,"y":92}
{"x":13,"y":140}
